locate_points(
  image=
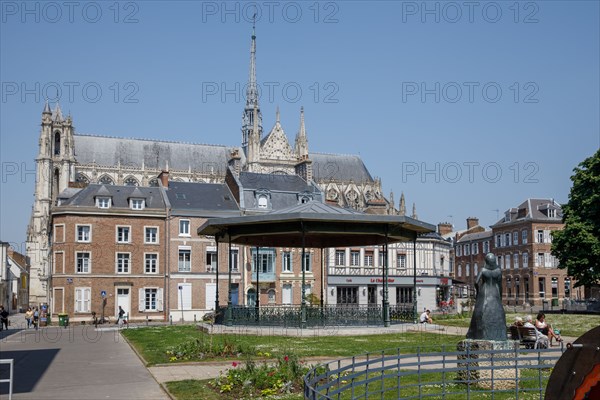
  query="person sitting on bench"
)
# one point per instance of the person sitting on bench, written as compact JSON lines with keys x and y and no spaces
{"x":541,"y":339}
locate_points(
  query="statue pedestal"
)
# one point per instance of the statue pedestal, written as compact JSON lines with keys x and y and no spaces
{"x":488,"y":370}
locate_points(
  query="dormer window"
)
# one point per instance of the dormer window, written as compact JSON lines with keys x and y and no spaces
{"x":103,"y":202}
{"x":551,"y":213}
{"x":137,"y":204}
{"x":304,"y":197}
{"x":263,"y":199}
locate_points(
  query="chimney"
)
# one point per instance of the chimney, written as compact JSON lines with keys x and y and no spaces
{"x":444,"y":228}
{"x":472,"y":222}
{"x":164,"y":179}
{"x":235,"y":162}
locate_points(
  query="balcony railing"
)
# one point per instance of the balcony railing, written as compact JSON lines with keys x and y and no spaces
{"x":263,"y":276}
{"x":367,"y":271}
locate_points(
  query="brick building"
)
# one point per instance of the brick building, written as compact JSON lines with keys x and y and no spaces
{"x":522,"y":242}
{"x":192,"y":261}
{"x":108,"y":250}
{"x":471,"y":246}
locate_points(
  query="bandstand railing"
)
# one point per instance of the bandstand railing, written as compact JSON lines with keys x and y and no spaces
{"x":328,"y":315}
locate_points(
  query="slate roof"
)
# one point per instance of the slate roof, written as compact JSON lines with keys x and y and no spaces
{"x":533,"y":211}
{"x":209,"y":199}
{"x":288,"y":183}
{"x":475,"y":236}
{"x":108,"y":151}
{"x":339,"y":167}
{"x":284,"y":190}
{"x":317,"y":208}
{"x":120,"y":196}
{"x":321,"y":225}
{"x":156,"y":154}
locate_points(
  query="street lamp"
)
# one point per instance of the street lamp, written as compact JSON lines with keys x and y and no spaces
{"x":181,"y":300}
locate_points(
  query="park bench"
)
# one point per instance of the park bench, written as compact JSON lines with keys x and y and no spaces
{"x":527,"y":337}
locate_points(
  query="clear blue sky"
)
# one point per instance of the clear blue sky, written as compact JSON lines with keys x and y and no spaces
{"x":410,"y":86}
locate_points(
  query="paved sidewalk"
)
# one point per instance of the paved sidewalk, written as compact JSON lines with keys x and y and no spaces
{"x":74,"y":363}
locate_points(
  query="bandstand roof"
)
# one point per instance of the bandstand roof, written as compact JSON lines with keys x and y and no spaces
{"x":323,"y":226}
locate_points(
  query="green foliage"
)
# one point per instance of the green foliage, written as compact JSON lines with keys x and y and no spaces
{"x":312,"y":299}
{"x":203,"y":347}
{"x":577,"y":246}
{"x":263,"y":380}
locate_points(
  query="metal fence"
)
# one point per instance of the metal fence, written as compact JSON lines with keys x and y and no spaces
{"x":329,"y":315}
{"x":390,"y":374}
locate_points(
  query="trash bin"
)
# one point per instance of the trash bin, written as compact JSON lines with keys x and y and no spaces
{"x":554,"y":302}
{"x":63,"y":319}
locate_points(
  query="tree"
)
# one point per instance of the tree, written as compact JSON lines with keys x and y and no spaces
{"x":577,"y":246}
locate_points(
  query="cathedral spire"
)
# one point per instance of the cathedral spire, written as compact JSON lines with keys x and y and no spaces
{"x":251,"y":95}
{"x":277,"y":116}
{"x":402,"y":205}
{"x":47,"y":108}
{"x":301,"y":139}
{"x":414,"y":213}
{"x":57,"y":114}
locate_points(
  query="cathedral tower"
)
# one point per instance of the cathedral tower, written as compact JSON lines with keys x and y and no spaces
{"x":55,"y":168}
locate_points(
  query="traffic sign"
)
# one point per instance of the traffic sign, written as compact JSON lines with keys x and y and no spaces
{"x":103,"y":293}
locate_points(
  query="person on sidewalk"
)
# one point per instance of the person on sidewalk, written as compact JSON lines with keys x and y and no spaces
{"x":36,"y":318}
{"x":29,"y":317}
{"x":120,"y":317}
{"x":3,"y":318}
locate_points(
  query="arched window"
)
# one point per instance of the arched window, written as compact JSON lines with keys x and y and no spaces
{"x":106,"y":180}
{"x":82,"y":178}
{"x":271,"y":294}
{"x":153,"y":182}
{"x":131,"y":181}
{"x":56,"y":143}
{"x":251,"y":297}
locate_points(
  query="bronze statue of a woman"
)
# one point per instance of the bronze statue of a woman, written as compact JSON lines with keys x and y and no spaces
{"x":488,"y":321}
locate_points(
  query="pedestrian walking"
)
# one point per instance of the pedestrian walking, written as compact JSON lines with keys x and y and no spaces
{"x":36,"y":318}
{"x":3,"y":318}
{"x":120,"y":316}
{"x":29,"y":317}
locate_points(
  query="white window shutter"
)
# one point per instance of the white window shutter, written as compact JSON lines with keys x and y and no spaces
{"x":86,"y":299}
{"x":77,"y":300}
{"x":159,"y":299}
{"x":141,"y":300}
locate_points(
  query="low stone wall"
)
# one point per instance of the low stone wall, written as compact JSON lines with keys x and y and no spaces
{"x":490,"y":371}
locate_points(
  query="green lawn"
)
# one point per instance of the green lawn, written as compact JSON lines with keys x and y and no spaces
{"x":153,"y":342}
{"x":409,"y":386}
{"x":194,"y":390}
{"x":569,"y":324}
